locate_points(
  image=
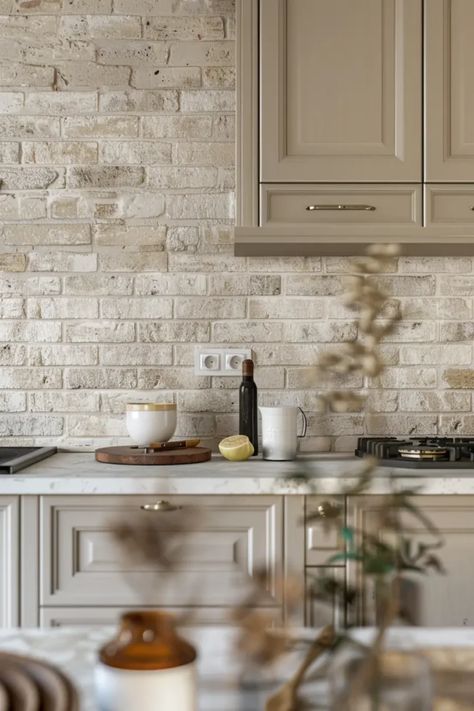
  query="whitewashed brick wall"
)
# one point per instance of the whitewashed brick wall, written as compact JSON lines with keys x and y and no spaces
{"x":117,"y":201}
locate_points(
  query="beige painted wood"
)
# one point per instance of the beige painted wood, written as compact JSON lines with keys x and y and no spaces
{"x":296,"y":239}
{"x":437,"y":600}
{"x":340,"y":90}
{"x":449,"y":204}
{"x":29,"y":561}
{"x":294,"y":558}
{"x":247,"y":112}
{"x":449,"y":98}
{"x":86,"y":616}
{"x":231,"y":538}
{"x":341,"y":204}
{"x":9,"y":560}
{"x":319,"y":612}
{"x":321,"y":541}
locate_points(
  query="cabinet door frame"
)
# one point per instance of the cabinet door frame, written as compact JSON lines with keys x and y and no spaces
{"x":394,"y":157}
{"x":449,"y":156}
{"x":359,"y":511}
{"x":9,"y":560}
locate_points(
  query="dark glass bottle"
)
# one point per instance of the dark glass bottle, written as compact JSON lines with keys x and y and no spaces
{"x":248,"y":420}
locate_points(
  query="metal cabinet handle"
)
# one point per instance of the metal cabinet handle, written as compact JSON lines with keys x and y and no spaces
{"x":160,"y":506}
{"x":368,"y":208}
{"x":329,"y":509}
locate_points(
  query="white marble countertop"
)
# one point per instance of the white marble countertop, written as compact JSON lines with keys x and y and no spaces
{"x":74,"y":650}
{"x":79,"y":473}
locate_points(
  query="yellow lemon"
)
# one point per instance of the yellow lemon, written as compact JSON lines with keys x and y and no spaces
{"x":237,"y":448}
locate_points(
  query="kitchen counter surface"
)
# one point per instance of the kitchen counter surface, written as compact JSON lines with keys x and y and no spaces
{"x":79,"y":473}
{"x":75,"y":652}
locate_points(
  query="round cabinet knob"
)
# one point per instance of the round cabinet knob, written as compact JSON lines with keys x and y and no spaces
{"x":160,"y":505}
{"x":329,"y":509}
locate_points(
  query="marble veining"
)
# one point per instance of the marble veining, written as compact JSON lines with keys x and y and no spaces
{"x":79,"y":473}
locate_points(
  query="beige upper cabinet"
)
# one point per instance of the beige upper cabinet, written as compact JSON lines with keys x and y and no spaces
{"x":449,"y":95}
{"x":340,"y":90}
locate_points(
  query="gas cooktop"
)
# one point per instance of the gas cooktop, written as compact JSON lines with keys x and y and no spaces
{"x":12,"y":459}
{"x":419,"y":452}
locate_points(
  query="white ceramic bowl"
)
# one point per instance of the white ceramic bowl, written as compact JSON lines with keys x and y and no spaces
{"x":149,"y":422}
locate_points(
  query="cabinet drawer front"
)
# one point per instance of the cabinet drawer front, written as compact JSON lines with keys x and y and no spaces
{"x":449,"y":204}
{"x":230,"y":538}
{"x":323,"y":541}
{"x":333,"y":204}
{"x":91,"y":616}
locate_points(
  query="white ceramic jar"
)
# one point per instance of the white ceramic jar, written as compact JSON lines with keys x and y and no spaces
{"x":147,"y":667}
{"x":149,"y":422}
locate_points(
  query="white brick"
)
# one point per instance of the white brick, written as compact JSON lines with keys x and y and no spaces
{"x":30,"y":378}
{"x":210,"y":307}
{"x":284,"y":308}
{"x":136,"y":308}
{"x":12,"y":308}
{"x":27,"y":27}
{"x":190,"y":127}
{"x":11,"y":102}
{"x":208,"y":100}
{"x":27,"y":127}
{"x":284,"y":264}
{"x":122,"y":101}
{"x":99,"y":378}
{"x":410,"y":377}
{"x":436,"y":354}
{"x":105,"y":177}
{"x":143,"y":354}
{"x":24,"y":331}
{"x":60,"y":103}
{"x":12,"y":354}
{"x":132,"y":53}
{"x":215,"y":154}
{"x":47,"y":234}
{"x":34,"y":425}
{"x":133,"y":262}
{"x":64,"y":153}
{"x":100,"y":26}
{"x":62,"y":308}
{"x":12,"y":262}
{"x":12,"y":402}
{"x":181,"y":178}
{"x":171,"y":379}
{"x":325,"y":332}
{"x":204,"y":207}
{"x":246,"y":332}
{"x":64,"y":402}
{"x":168,"y":331}
{"x":62,"y":262}
{"x":96,"y":426}
{"x":13,"y":74}
{"x":200,"y":54}
{"x":402,"y":425}
{"x":99,"y":126}
{"x":100,"y":332}
{"x":171,"y":284}
{"x":426,"y":401}
{"x":118,"y":236}
{"x":183,"y":28}
{"x":230,"y":284}
{"x":135,"y":152}
{"x":76,"y":354}
{"x":28,"y":178}
{"x":98,"y":284}
{"x":166,"y":78}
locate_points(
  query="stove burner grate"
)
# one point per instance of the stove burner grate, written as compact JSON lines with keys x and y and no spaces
{"x":419,"y":452}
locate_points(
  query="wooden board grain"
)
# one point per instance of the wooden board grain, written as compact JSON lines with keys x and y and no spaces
{"x":134,"y":455}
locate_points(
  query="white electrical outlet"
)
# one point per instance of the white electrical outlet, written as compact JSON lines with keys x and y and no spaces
{"x":219,"y":361}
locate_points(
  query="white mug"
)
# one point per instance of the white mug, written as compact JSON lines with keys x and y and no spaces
{"x":279,"y":432}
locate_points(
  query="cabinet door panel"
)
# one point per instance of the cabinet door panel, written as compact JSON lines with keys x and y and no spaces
{"x":433,"y":600}
{"x":340,"y":90}
{"x":449,"y":204}
{"x":329,"y":612}
{"x":449,"y":113}
{"x":230,"y":539}
{"x":9,"y":560}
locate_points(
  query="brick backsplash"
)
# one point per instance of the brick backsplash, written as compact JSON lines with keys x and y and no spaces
{"x":117,"y":202}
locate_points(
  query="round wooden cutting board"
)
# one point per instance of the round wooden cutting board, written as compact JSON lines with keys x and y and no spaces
{"x":133,"y":455}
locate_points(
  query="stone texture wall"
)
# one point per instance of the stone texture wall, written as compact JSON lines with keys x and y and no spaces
{"x":116,"y":201}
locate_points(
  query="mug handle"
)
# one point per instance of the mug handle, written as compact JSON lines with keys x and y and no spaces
{"x":305,"y":424}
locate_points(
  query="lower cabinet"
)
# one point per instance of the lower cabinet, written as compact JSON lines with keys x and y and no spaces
{"x":84,"y":577}
{"x":9,"y":560}
{"x":431,"y":600}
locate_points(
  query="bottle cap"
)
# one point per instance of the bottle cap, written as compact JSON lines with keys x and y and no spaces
{"x":247,"y":367}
